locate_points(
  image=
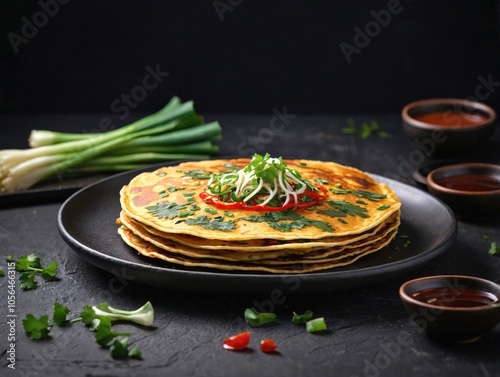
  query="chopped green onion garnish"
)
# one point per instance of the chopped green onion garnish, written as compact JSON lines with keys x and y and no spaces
{"x":300,"y":319}
{"x":316,"y":325}
{"x":256,"y":319}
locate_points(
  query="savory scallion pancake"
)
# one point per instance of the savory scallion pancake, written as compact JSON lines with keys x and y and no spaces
{"x":158,"y":198}
{"x":263,"y":215}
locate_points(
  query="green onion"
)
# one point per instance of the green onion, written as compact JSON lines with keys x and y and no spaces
{"x":316,"y":325}
{"x":257,"y":319}
{"x":300,"y":319}
{"x":175,"y":132}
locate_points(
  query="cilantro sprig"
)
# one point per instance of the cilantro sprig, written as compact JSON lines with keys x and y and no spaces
{"x":166,"y":210}
{"x":216,"y":223}
{"x":30,"y":266}
{"x":288,"y":220}
{"x":343,"y":208}
{"x":98,"y":318}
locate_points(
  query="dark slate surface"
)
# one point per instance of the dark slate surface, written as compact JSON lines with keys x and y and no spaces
{"x":369,"y":332}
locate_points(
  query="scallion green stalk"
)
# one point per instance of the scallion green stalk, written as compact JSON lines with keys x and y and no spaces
{"x":174,"y":132}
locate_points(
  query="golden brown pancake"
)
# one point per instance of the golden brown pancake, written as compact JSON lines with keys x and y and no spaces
{"x":164,"y":217}
{"x":146,"y":191}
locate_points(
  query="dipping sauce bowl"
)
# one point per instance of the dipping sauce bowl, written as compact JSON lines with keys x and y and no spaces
{"x":471,"y":190}
{"x":448,"y":126}
{"x":452,"y":308}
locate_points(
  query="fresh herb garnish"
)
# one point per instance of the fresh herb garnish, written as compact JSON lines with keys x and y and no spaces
{"x":287,"y":220}
{"x":198,"y":174}
{"x":321,"y":180}
{"x":166,"y":210}
{"x":372,"y":196}
{"x":265,"y":182}
{"x":215,"y":224}
{"x":383,"y":207}
{"x":29,"y":266}
{"x":256,"y":319}
{"x":300,"y":319}
{"x":343,"y":208}
{"x":37,"y":328}
{"x":316,"y":325}
{"x":98,"y":318}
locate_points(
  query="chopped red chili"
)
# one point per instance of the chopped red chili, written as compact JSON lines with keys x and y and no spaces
{"x":268,"y":345}
{"x":237,"y":342}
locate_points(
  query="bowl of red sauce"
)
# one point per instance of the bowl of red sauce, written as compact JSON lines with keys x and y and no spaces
{"x":448,"y":126}
{"x":452,"y":308}
{"x":471,"y":190}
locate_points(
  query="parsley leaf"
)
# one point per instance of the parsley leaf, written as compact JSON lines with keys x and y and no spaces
{"x":28,"y":281}
{"x":279,"y":221}
{"x":60,"y":313}
{"x":341,"y":208}
{"x":87,"y":315}
{"x":27,"y":262}
{"x":104,"y":335}
{"x":372,"y":196}
{"x":29,"y":266}
{"x":119,"y":348}
{"x":50,"y":272}
{"x":215,"y":224}
{"x":166,"y":210}
{"x":37,"y":328}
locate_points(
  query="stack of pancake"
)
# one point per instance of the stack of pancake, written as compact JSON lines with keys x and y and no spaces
{"x":164,"y":217}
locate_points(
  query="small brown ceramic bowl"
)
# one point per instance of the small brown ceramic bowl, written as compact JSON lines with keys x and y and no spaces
{"x":448,"y":126}
{"x":471,"y":190}
{"x":452,"y":308}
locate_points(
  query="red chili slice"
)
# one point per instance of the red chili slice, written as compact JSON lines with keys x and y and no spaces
{"x":237,"y":342}
{"x":315,"y":196}
{"x":268,"y":345}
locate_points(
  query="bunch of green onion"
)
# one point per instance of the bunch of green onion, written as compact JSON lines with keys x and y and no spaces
{"x":175,"y":132}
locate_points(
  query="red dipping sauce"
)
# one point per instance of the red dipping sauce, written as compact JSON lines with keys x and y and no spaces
{"x":454,"y":297}
{"x":452,"y":118}
{"x":470,"y":182}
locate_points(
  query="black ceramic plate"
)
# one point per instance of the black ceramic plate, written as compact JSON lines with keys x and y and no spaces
{"x":87,"y":223}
